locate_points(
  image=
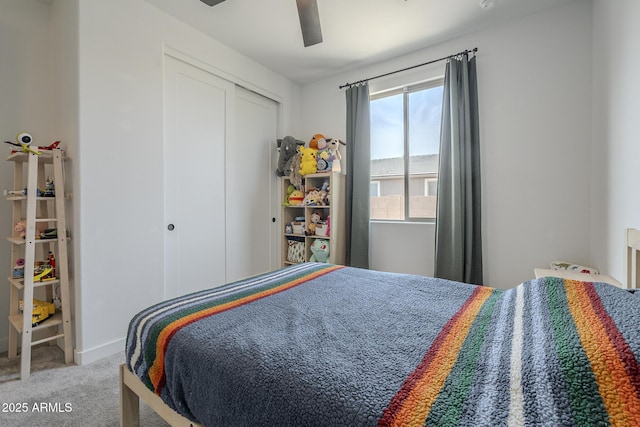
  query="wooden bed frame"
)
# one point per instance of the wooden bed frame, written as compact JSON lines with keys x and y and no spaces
{"x":132,"y":389}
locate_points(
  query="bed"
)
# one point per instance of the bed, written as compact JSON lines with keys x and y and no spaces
{"x":320,"y":344}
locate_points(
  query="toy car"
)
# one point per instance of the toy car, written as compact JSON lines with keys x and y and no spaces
{"x":41,"y":310}
{"x":49,"y":233}
{"x":43,"y":273}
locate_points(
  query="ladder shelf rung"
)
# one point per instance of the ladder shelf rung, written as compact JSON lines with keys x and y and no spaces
{"x":46,"y":156}
{"x":54,"y":320}
{"x":47,"y":339}
{"x":21,"y":241}
{"x":19,"y":283}
{"x":67,"y":196}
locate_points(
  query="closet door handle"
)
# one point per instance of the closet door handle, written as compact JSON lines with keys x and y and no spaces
{"x":171,"y":227}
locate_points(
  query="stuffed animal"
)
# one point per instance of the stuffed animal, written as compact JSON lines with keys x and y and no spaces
{"x":319,"y":250}
{"x":308,"y":162}
{"x":311,"y":230}
{"x":313,"y":198}
{"x":21,"y":228}
{"x":324,"y":161}
{"x":290,"y":190}
{"x":288,"y":147}
{"x":294,"y":175}
{"x":296,"y":197}
{"x":316,"y":216}
{"x":325,"y":153}
{"x":316,"y":219}
{"x":318,"y":142}
{"x":323,"y":195}
{"x":333,"y":148}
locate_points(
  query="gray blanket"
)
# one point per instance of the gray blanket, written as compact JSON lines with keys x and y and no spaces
{"x":317,"y":344}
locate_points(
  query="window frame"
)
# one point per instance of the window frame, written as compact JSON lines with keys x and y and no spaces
{"x":406,"y":91}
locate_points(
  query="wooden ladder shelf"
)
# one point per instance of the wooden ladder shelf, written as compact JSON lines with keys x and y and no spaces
{"x":26,"y":282}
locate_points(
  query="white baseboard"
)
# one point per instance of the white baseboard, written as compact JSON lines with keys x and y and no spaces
{"x":84,"y":357}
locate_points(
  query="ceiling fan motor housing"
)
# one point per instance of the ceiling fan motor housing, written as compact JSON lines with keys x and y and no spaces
{"x":309,"y":20}
{"x":211,"y":2}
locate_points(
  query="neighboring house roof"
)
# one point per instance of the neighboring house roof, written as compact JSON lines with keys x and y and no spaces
{"x":422,"y":164}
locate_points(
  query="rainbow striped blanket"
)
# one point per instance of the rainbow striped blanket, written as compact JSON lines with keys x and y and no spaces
{"x":319,"y":344}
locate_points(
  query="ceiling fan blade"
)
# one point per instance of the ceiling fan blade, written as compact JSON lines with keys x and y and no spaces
{"x":211,"y":2}
{"x":309,"y":22}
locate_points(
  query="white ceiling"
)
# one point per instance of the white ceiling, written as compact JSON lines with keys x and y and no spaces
{"x":355,"y":32}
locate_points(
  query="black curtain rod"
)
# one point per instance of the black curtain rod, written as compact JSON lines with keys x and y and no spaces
{"x":475,"y":49}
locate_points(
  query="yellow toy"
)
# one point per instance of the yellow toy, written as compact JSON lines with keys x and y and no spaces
{"x":24,"y":141}
{"x":308,"y":162}
{"x":44,"y":274}
{"x":296,"y":198}
{"x":41,"y":310}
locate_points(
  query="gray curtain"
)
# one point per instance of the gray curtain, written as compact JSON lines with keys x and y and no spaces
{"x":458,"y":254}
{"x":358,"y":176}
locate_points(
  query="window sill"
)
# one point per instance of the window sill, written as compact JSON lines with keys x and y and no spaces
{"x":385,"y":221}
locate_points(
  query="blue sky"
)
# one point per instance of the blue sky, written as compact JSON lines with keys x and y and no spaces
{"x":425,"y":109}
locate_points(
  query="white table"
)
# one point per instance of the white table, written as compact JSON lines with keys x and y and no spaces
{"x":572,"y":275}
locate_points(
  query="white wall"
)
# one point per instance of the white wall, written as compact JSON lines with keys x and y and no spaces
{"x":535,"y":108}
{"x":105,"y":71}
{"x":121,"y":216}
{"x":27,"y":104}
{"x":616,"y":147}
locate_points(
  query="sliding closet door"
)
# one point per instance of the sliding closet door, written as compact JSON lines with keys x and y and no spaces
{"x":197,"y":123}
{"x":252,"y":185}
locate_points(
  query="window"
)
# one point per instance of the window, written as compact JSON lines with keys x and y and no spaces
{"x":405,"y":140}
{"x":374,"y":189}
{"x":430,"y":186}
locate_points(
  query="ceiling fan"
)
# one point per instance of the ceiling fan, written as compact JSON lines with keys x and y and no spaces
{"x":309,"y":20}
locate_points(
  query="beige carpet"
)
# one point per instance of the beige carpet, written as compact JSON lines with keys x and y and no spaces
{"x":63,"y":395}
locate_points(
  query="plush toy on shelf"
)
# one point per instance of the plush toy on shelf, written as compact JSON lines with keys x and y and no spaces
{"x":325,"y":192}
{"x":313,"y":198}
{"x":319,"y":250}
{"x":327,"y":151}
{"x":20,"y":227}
{"x":296,"y":198}
{"x":308,"y":162}
{"x":294,"y":175}
{"x":316,"y":220}
{"x":290,"y":190}
{"x":288,"y":148}
{"x":324,"y":161}
{"x":318,"y":142}
{"x":333,"y":149}
{"x":316,"y":216}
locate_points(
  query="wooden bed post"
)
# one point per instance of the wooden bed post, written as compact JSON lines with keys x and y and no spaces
{"x":129,"y":403}
{"x":132,"y":390}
